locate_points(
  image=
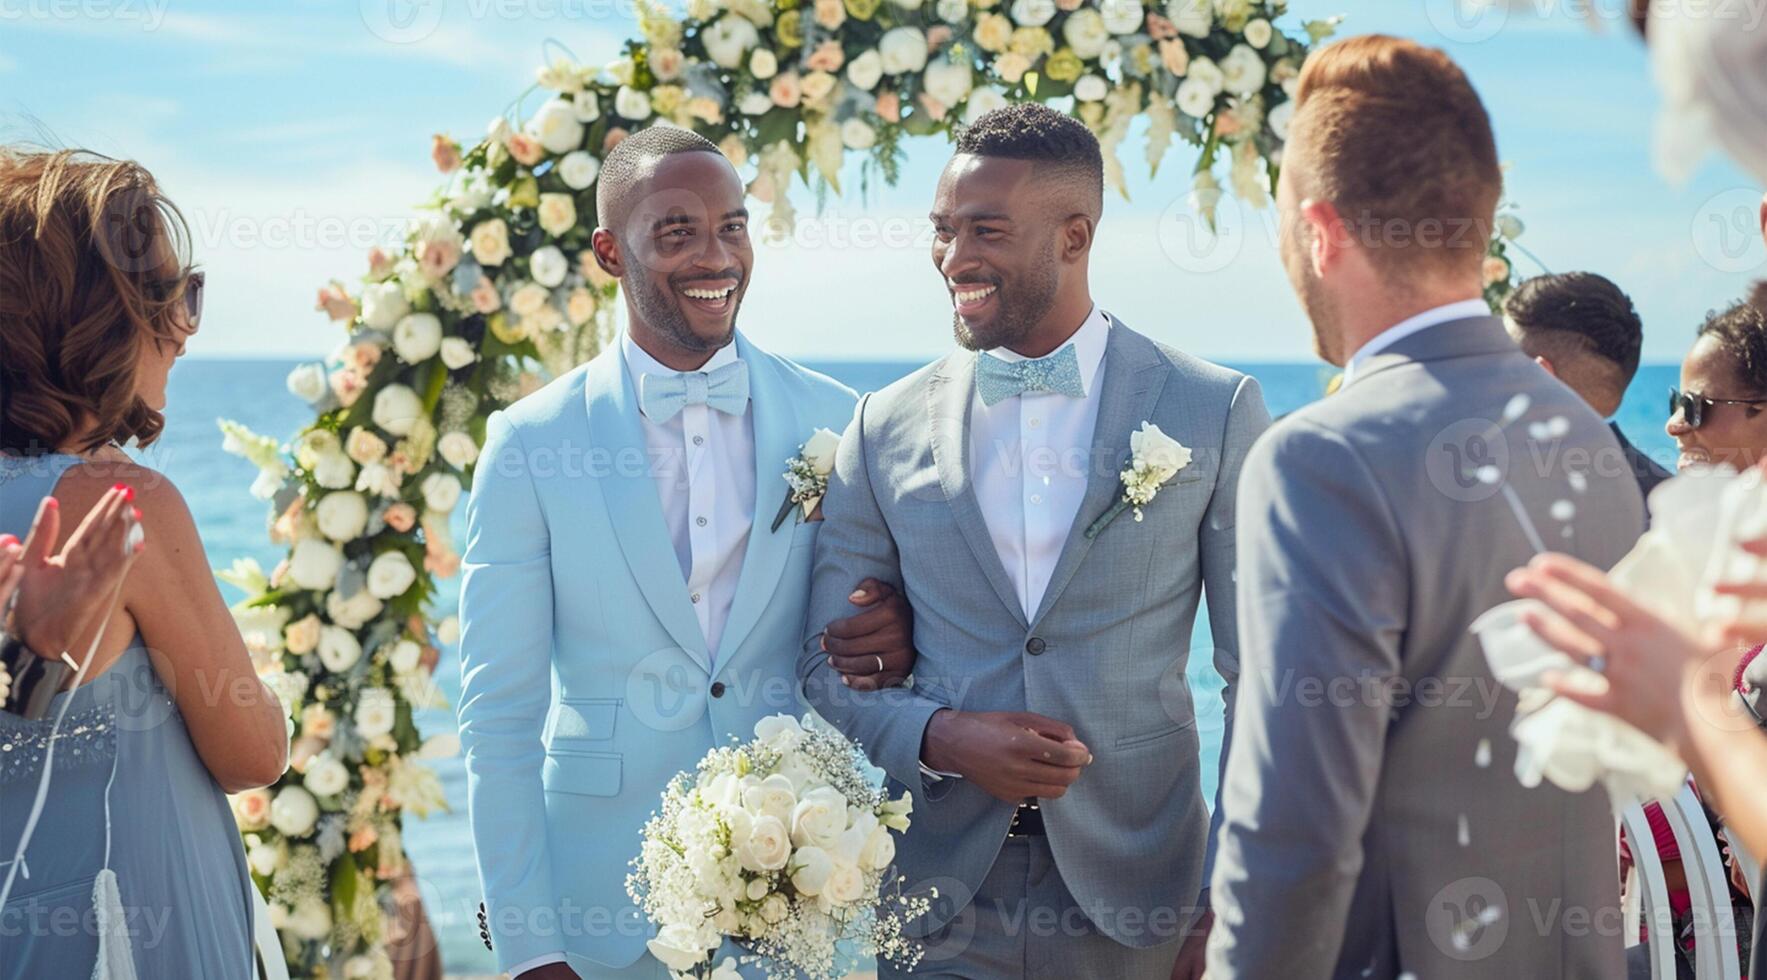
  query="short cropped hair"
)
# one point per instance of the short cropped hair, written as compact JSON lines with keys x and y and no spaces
{"x":1579,"y":310}
{"x":1033,"y":131}
{"x":1389,"y":131}
{"x":630,"y":163}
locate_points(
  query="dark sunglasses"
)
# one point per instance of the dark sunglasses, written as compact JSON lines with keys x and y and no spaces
{"x":1692,"y":406}
{"x":193,"y":288}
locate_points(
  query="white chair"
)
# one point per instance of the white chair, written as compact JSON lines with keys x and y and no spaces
{"x":1647,"y":895}
{"x":271,"y":964}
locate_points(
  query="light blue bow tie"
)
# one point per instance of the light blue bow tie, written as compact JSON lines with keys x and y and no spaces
{"x":1059,"y":373}
{"x":663,"y":396}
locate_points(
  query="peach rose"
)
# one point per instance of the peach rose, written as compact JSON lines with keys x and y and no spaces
{"x":485,"y":298}
{"x":828,"y":56}
{"x":446,"y":153}
{"x":336,"y":304}
{"x":786,"y":91}
{"x":936,"y":37}
{"x":666,"y":63}
{"x":251,"y":809}
{"x":889,"y":107}
{"x":436,"y":258}
{"x":347,"y":385}
{"x":1159,"y":28}
{"x":830,"y":14}
{"x":526,"y":149}
{"x":1174,"y":57}
{"x":363,"y":838}
{"x":380,"y":264}
{"x":612,"y":139}
{"x":932,"y":107}
{"x":401,"y":517}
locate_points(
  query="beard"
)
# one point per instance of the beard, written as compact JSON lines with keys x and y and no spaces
{"x":661,"y":310}
{"x":1021,"y":308}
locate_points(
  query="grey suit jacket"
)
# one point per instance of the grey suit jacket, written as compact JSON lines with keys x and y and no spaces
{"x":1105,"y":653}
{"x":1374,"y":823}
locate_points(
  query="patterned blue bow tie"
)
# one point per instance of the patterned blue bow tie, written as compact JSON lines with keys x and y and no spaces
{"x":663,"y":396}
{"x":1059,"y":373}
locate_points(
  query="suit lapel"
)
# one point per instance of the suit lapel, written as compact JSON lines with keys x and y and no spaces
{"x":1133,"y":377}
{"x":948,"y":398}
{"x":778,"y":434}
{"x":633,"y":507}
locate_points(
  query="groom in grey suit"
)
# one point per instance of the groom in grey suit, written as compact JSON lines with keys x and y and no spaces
{"x":1374,"y":823}
{"x":1049,"y":739}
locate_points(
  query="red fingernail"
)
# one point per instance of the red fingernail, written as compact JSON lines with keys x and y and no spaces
{"x":128,"y":493}
{"x":119,"y":486}
{"x":7,"y":539}
{"x":53,"y":504}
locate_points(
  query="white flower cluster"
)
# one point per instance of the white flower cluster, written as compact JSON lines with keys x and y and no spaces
{"x":1154,"y":459}
{"x":782,"y":844}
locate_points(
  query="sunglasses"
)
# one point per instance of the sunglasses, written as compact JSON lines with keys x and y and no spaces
{"x":1692,"y":406}
{"x":193,"y":288}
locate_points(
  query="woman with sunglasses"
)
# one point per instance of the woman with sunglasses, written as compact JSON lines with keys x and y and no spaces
{"x":1719,"y":414}
{"x":136,"y":843}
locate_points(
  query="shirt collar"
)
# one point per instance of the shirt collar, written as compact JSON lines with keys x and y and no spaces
{"x":1089,"y":343}
{"x":640,"y":363}
{"x":1463,"y":310}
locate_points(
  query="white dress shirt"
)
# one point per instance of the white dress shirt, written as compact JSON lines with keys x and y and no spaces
{"x":703,"y":462}
{"x":1030,"y":457}
{"x":1462,"y":310}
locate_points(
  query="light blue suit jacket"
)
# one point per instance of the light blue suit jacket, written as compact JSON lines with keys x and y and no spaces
{"x":585,"y":680}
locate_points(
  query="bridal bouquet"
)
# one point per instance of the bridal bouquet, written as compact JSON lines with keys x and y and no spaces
{"x":782,"y":844}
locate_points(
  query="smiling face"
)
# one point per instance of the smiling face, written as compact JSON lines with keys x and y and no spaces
{"x":683,"y":257}
{"x":1735,"y":435}
{"x":998,"y":247}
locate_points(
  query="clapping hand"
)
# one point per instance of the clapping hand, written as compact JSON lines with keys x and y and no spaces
{"x":60,"y":599}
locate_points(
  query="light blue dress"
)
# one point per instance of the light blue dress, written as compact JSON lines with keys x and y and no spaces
{"x":127,"y":793}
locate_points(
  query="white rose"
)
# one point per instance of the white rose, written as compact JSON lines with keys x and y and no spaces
{"x":490,"y":242}
{"x":375,"y":712}
{"x":548,"y":266}
{"x":865,"y":71}
{"x":457,"y":353}
{"x":903,"y":49}
{"x":578,"y":170}
{"x":774,"y":909}
{"x":981,"y":102}
{"x":499,"y":130}
{"x":310,"y":919}
{"x":1258,"y":33}
{"x":448,"y":631}
{"x":1279,"y":119}
{"x":458,"y":449}
{"x":763,"y":64}
{"x":383,"y":304}
{"x":396,"y":409}
{"x":557,"y":127}
{"x":354,"y":612}
{"x":326,"y":776}
{"x":343,"y":515}
{"x":1208,"y":73}
{"x":948,"y":81}
{"x":587,"y":105}
{"x":314,"y":564}
{"x":1508,"y":225}
{"x":811,"y":867}
{"x":1085,"y":32}
{"x":632,"y":104}
{"x":880,"y":849}
{"x":857,"y":135}
{"x":265,"y":859}
{"x":1160,"y":451}
{"x":293,"y":812}
{"x":767,"y":847}
{"x":755,"y":104}
{"x":1032,"y":13}
{"x":1194,"y":98}
{"x":528,"y":298}
{"x":819,"y":452}
{"x":819,"y":817}
{"x":845,"y":884}
{"x":405,"y":656}
{"x":338,"y":649}
{"x":1243,"y":71}
{"x":728,"y":39}
{"x":773,"y":797}
{"x":333,"y":471}
{"x":678,"y":946}
{"x":1090,"y":88}
{"x":441,"y":491}
{"x":307,"y":382}
{"x":417,"y":337}
{"x":390,"y":574}
{"x":558,"y":213}
{"x":1193,"y":17}
{"x":1122,"y":16}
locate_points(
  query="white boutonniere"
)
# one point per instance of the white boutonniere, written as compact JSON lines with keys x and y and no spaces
{"x":1154,"y":459}
{"x":806,"y":474}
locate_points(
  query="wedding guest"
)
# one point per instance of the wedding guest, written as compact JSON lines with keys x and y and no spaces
{"x":1359,"y":839}
{"x":97,"y":300}
{"x":1583,"y":330}
{"x":1049,"y":739}
{"x":1719,"y":414}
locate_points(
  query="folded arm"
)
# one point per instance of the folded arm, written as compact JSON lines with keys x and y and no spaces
{"x":505,"y":690}
{"x":1325,"y":591}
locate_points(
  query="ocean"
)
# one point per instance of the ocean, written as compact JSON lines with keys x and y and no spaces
{"x":233,"y":526}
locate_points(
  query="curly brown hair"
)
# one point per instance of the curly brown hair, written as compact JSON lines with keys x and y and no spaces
{"x":86,"y":243}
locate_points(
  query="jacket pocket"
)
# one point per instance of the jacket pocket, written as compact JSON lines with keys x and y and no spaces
{"x":585,"y":719}
{"x":580,"y":773}
{"x":1136,"y":741}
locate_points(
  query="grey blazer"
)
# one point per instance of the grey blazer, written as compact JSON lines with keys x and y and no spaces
{"x":1374,"y":823}
{"x":1105,"y":653}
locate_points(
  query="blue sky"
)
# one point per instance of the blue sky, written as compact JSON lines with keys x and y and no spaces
{"x":295,"y":135}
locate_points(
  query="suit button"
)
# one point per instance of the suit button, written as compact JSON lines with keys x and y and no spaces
{"x":717,"y":689}
{"x":1035,"y":646}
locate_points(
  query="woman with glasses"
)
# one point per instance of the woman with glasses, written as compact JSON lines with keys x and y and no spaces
{"x":136,"y":844}
{"x":1719,"y":414}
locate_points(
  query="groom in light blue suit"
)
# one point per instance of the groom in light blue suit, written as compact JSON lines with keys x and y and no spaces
{"x":628,"y":603}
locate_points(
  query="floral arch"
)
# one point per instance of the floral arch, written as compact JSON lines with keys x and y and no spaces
{"x":494,"y":288}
